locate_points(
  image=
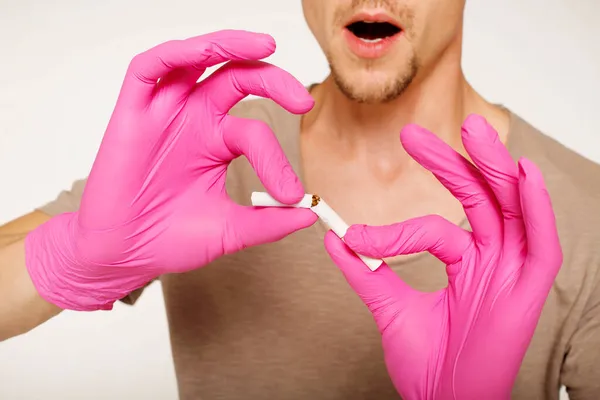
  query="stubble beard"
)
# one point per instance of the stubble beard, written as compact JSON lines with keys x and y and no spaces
{"x":381,"y":93}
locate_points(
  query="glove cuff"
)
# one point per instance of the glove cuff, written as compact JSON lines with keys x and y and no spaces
{"x":63,"y":279}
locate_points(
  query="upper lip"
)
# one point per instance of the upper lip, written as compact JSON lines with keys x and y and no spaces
{"x":365,"y":16}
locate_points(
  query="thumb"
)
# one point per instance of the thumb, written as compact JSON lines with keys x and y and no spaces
{"x":378,"y":289}
{"x":431,"y":233}
{"x":256,"y":225}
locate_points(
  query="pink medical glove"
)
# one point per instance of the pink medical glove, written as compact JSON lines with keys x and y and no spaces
{"x":466,"y":341}
{"x":155,"y":201}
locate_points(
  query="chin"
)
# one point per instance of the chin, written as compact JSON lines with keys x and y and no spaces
{"x":364,"y":91}
{"x":375,"y":80}
{"x":373,"y":86}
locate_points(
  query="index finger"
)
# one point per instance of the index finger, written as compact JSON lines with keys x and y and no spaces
{"x":460,"y":177}
{"x":236,"y":80}
{"x":198,"y":52}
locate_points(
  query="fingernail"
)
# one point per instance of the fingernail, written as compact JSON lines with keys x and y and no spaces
{"x":302,"y":93}
{"x":291,"y":185}
{"x":531,"y":172}
{"x":413,"y":128}
{"x":476,"y":127}
{"x":267,"y":38}
{"x":354,"y":234}
{"x":302,"y":100}
{"x":411,"y":131}
{"x":521,"y":167}
{"x":532,"y":175}
{"x":308,"y":216}
{"x":293,"y":189}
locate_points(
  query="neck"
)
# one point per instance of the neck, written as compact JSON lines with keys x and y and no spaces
{"x":439,"y":100}
{"x":436,"y":103}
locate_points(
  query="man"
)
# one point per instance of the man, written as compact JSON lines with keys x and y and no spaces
{"x":246,"y":326}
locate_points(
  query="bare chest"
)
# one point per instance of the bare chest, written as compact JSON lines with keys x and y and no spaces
{"x":376,"y":193}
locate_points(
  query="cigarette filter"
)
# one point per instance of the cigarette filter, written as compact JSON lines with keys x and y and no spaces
{"x":325,"y":213}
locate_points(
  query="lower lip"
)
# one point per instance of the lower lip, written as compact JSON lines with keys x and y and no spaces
{"x":364,"y":49}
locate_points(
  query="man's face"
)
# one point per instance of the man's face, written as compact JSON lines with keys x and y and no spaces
{"x":376,"y":48}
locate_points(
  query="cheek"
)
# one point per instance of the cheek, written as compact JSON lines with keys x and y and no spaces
{"x":435,"y":28}
{"x":318,"y":18}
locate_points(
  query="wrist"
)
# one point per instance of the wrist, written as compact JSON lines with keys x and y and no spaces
{"x":21,"y":308}
{"x":63,"y":277}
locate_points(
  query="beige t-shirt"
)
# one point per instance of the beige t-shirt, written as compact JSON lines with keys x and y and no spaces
{"x":280,"y":322}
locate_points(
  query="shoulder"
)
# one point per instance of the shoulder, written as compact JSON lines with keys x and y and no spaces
{"x":563,"y":165}
{"x":570,"y":177}
{"x":573,"y":183}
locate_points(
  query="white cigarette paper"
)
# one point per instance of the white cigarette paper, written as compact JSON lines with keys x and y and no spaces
{"x":323,"y":211}
{"x":262,"y":199}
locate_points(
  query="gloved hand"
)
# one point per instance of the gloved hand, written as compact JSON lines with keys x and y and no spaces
{"x":155,"y":201}
{"x":468,"y":340}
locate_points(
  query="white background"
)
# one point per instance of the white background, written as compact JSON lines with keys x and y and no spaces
{"x":61,"y":66}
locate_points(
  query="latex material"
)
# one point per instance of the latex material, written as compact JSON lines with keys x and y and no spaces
{"x":468,"y":340}
{"x":155,"y":201}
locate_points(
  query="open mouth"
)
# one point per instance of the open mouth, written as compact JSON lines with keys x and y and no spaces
{"x":373,"y":32}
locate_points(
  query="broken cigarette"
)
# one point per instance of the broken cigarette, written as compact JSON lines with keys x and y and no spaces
{"x":325,"y":213}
